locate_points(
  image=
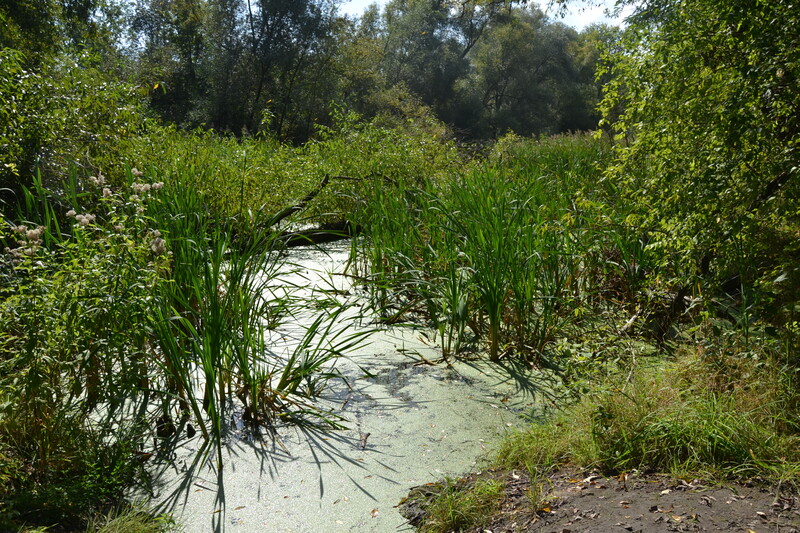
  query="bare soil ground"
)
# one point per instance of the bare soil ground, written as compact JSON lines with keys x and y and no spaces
{"x":573,"y":502}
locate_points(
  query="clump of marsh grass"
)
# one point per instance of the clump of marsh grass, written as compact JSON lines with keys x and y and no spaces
{"x":211,"y":323}
{"x":507,"y":248}
{"x":673,"y":418}
{"x":131,"y":519}
{"x":458,"y":507}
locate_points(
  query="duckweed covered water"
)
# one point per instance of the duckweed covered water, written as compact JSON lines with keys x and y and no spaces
{"x":407,"y":424}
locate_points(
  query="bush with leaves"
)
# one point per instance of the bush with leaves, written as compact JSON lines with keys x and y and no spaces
{"x":71,"y":110}
{"x":74,"y":307}
{"x":711,"y":112}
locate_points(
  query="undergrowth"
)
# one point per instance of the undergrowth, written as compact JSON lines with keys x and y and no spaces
{"x":137,"y":307}
{"x":714,"y":411}
{"x":457,"y":507}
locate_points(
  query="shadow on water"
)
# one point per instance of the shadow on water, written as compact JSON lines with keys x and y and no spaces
{"x":325,"y":447}
{"x":351,"y":458}
{"x":538,"y":388}
{"x":201,"y":474}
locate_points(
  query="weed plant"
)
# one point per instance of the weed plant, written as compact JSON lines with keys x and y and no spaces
{"x":457,"y":508}
{"x":131,"y":520}
{"x":514,"y":247}
{"x":685,"y":418}
{"x":75,"y":314}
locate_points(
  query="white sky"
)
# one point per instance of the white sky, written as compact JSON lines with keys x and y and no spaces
{"x":577,"y":17}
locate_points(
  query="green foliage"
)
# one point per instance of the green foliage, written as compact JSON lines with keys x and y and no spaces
{"x":487,"y":68}
{"x":458,"y":507}
{"x":259,"y":175}
{"x":30,"y":26}
{"x":18,"y":135}
{"x":68,"y":112}
{"x":131,"y":520}
{"x":526,"y":79}
{"x":713,"y":129}
{"x":43,"y":28}
{"x":279,"y":69}
{"x":720,"y":411}
{"x":496,"y":247}
{"x":75,"y":305}
{"x":218,"y":68}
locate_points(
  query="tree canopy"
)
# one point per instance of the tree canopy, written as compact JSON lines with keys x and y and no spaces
{"x":280,"y":66}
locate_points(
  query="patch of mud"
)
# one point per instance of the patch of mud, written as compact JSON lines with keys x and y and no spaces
{"x":578,"y":502}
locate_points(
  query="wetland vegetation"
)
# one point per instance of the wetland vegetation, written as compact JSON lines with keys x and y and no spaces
{"x":149,"y":179}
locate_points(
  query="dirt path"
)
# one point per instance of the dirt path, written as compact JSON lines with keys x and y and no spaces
{"x":584,"y":502}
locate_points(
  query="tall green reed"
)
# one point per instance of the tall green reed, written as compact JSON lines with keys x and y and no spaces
{"x":212,"y":321}
{"x":505,"y":248}
{"x":487,"y":216}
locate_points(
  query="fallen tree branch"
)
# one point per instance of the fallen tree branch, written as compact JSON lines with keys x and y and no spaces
{"x":387,"y":179}
{"x":299,"y":206}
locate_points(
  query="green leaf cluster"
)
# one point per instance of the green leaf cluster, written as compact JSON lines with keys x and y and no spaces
{"x":709,"y":136}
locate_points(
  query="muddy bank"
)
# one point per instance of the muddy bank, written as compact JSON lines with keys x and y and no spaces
{"x":573,"y":501}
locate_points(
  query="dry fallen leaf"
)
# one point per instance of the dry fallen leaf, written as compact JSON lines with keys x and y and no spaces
{"x":240,"y":508}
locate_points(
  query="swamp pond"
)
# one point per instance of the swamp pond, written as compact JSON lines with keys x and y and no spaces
{"x":407,"y":423}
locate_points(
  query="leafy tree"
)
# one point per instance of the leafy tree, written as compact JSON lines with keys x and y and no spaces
{"x":229,"y":64}
{"x":173,"y":43}
{"x":359,"y":65}
{"x":422,"y":52}
{"x":589,"y":52}
{"x":42,"y":28}
{"x":526,"y":78}
{"x":712,"y":111}
{"x":29,"y":26}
